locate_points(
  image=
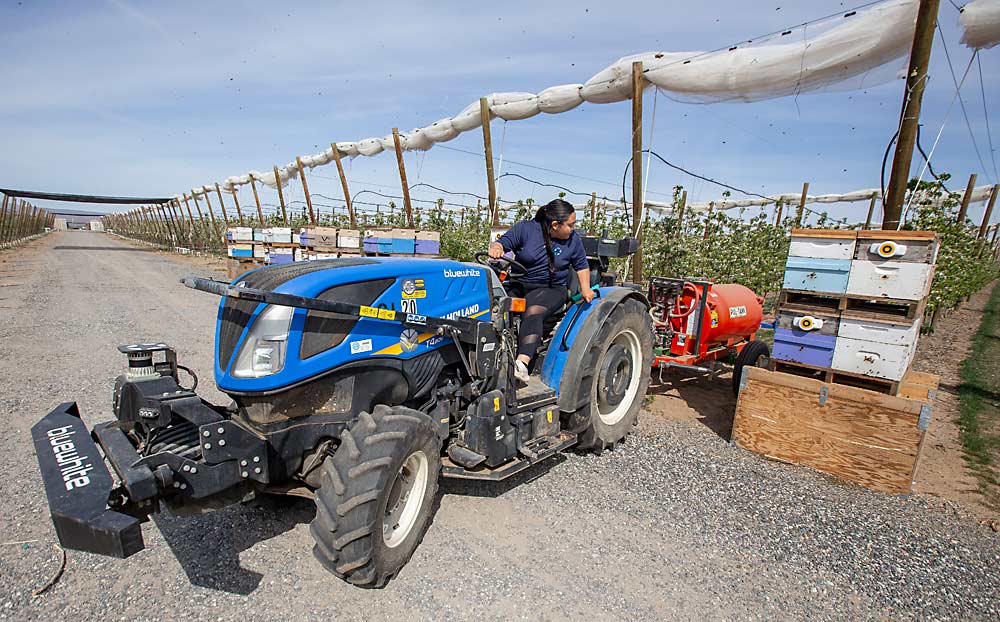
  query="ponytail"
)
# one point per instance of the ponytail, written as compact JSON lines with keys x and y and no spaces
{"x":555,"y":210}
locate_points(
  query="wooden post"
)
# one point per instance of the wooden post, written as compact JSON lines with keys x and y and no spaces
{"x":484,"y":113}
{"x":802,"y":204}
{"x":964,"y":209}
{"x":3,"y":218}
{"x":188,"y":207}
{"x":680,"y":212}
{"x":222,"y":204}
{"x":995,"y":229}
{"x":402,"y":178}
{"x":256,"y":199}
{"x":637,"y":202}
{"x":916,"y":80}
{"x":211,"y":216}
{"x":593,"y":213}
{"x":305,"y":190}
{"x":779,"y":206}
{"x":236,"y":201}
{"x":708,"y":216}
{"x":281,"y":196}
{"x":989,"y":211}
{"x":343,"y":184}
{"x":871,"y":211}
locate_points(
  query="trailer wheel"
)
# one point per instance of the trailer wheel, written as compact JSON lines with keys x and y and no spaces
{"x":376,"y":495}
{"x":751,"y":355}
{"x":617,"y":367}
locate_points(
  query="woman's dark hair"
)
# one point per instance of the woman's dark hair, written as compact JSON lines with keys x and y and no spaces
{"x":555,"y":210}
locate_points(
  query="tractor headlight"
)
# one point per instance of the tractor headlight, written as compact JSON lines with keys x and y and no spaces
{"x":263,"y":351}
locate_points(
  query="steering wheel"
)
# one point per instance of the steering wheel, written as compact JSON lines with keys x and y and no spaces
{"x":513,"y":269}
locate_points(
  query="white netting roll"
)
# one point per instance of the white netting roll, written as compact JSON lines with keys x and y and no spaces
{"x":369,"y":147}
{"x":348,"y":148}
{"x":441,"y":131}
{"x":468,"y":119}
{"x":562,"y":98}
{"x":513,"y":106}
{"x":981,"y":21}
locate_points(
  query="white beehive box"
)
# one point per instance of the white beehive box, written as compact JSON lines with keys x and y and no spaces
{"x":893,"y":264}
{"x":880,"y":360}
{"x":348,"y":238}
{"x":823,"y":243}
{"x":889,"y":333}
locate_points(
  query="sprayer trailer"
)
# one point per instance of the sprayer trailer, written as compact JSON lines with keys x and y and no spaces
{"x":357,"y":382}
{"x":699,"y":324}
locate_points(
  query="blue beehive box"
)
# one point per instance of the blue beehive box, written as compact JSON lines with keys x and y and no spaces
{"x":405,"y":246}
{"x":817,"y":275}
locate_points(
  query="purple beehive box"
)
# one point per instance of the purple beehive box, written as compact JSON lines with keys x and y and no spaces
{"x":808,"y":348}
{"x":370,"y":244}
{"x":428,"y":247}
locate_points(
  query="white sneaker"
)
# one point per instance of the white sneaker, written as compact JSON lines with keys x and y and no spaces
{"x":520,"y":371}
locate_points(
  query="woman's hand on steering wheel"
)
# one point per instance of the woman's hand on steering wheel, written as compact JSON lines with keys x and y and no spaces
{"x":500,"y":263}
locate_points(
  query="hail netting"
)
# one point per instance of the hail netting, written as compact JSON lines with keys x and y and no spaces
{"x":845,"y":49}
{"x":981,"y":23}
{"x":979,"y":194}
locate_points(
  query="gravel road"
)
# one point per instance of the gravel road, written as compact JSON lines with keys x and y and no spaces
{"x":675,"y":524}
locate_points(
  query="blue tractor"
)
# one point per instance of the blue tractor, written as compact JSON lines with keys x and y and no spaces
{"x":357,"y":382}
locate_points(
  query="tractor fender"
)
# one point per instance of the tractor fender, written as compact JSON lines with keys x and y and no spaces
{"x":572,"y":340}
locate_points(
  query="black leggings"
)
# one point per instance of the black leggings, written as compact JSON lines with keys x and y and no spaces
{"x":541,"y":301}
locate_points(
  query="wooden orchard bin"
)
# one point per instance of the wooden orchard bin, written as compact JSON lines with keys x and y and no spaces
{"x":865,"y":437}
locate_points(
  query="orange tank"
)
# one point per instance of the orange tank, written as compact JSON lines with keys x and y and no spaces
{"x":732,"y":312}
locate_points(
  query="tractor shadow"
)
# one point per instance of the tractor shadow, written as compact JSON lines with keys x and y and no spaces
{"x":694,"y":398}
{"x":208,"y":546}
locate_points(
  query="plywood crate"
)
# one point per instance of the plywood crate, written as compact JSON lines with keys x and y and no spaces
{"x":865,"y":437}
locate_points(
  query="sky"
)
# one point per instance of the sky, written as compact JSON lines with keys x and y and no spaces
{"x":151,"y":98}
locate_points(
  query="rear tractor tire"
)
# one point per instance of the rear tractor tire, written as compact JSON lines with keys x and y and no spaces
{"x":376,"y":495}
{"x":617,"y":369}
{"x":753,"y":355}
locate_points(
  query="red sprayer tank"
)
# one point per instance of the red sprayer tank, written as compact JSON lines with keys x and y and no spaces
{"x":732,"y":312}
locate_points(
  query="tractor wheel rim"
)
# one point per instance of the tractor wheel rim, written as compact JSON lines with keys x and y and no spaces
{"x":612,"y":413}
{"x":406,"y":495}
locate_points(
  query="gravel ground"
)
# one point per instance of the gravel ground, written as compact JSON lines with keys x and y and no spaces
{"x":675,"y":524}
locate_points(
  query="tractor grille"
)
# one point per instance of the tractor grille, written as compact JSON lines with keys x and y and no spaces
{"x":236,"y":313}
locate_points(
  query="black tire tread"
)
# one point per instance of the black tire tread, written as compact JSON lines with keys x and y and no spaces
{"x":749,"y":355}
{"x":581,"y":422}
{"x":351,"y":482}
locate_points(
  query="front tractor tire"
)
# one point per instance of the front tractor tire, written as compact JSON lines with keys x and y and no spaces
{"x":617,"y":370}
{"x":376,"y":495}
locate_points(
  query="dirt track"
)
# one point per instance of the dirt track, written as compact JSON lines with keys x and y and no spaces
{"x":676,"y":524}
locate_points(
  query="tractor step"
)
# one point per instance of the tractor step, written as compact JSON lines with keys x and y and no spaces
{"x":541,"y":448}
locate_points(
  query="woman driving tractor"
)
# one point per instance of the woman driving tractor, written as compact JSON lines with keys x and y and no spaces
{"x":548,"y":248}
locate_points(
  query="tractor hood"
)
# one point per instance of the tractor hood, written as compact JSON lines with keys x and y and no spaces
{"x":261,"y":348}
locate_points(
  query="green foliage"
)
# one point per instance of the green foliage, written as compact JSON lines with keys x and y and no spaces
{"x":965,"y":264}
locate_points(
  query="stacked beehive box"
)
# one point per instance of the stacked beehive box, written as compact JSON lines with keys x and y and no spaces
{"x":328,"y":243}
{"x":852,"y":304}
{"x":243,"y":250}
{"x":402,"y":242}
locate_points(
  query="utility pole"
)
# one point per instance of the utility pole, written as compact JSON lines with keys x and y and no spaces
{"x":909,"y":117}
